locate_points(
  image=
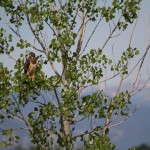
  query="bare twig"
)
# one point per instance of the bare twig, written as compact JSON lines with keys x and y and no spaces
{"x":76,"y":121}
{"x":144,"y":86}
{"x":110,"y":35}
{"x":141,"y":64}
{"x":80,"y":41}
{"x":58,"y":101}
{"x":131,"y":37}
{"x":51,"y":97}
{"x":50,"y":27}
{"x":36,"y":36}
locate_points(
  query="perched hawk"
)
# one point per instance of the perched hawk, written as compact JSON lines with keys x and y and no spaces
{"x":31,"y":64}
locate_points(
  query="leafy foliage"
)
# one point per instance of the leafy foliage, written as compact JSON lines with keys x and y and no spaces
{"x":57,"y":104}
{"x":97,"y":143}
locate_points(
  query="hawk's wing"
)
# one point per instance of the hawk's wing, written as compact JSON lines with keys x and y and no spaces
{"x":26,"y":65}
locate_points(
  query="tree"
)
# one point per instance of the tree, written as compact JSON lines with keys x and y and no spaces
{"x":19,"y":147}
{"x":56,"y":32}
{"x":143,"y":147}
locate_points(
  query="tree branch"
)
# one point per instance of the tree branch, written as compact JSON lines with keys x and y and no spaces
{"x":91,"y":35}
{"x":110,"y":35}
{"x":141,"y":64}
{"x":81,"y":36}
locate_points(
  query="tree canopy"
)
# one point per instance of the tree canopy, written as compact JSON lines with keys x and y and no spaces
{"x":55,"y":105}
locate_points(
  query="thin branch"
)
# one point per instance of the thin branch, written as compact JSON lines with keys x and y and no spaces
{"x":23,"y":118}
{"x":52,"y":100}
{"x":91,"y":35}
{"x":17,"y":34}
{"x":53,"y":9}
{"x":98,"y":128}
{"x":110,"y":27}
{"x":11,"y":57}
{"x":14,"y":117}
{"x":110,"y":35}
{"x":128,"y":115}
{"x":43,"y":97}
{"x":60,"y":2}
{"x":13,"y":129}
{"x":76,"y":121}
{"x":105,"y":83}
{"x":38,"y":39}
{"x":144,"y":86}
{"x":50,"y":27}
{"x":58,"y":101}
{"x":134,"y":27}
{"x":122,"y":78}
{"x":81,"y":36}
{"x":141,"y":64}
{"x":86,"y":86}
{"x":53,"y":67}
{"x":114,"y":36}
{"x":135,"y":66}
{"x":71,"y":27}
{"x":119,"y":86}
{"x":108,"y":119}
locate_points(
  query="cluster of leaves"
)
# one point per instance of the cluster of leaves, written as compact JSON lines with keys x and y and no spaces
{"x":5,"y":87}
{"x":120,"y":102}
{"x":102,"y":106}
{"x":98,"y":143}
{"x":5,"y":103}
{"x":4,"y":42}
{"x":17,"y":16}
{"x":127,"y":9}
{"x":42,"y":121}
{"x":10,"y":138}
{"x":122,"y":65}
{"x":88,"y":70}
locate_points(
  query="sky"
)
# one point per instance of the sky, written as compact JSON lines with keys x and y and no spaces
{"x":135,"y":130}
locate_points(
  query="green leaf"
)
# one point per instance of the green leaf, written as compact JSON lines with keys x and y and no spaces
{"x":35,"y":109}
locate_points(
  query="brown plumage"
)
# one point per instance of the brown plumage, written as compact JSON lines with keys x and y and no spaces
{"x":31,"y":64}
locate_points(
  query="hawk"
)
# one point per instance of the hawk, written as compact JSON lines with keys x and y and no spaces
{"x":31,"y":64}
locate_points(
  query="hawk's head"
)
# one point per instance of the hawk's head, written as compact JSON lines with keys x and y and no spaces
{"x":31,"y":55}
{"x":32,"y":58}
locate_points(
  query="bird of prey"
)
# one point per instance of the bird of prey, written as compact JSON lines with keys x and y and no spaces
{"x":31,"y":64}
